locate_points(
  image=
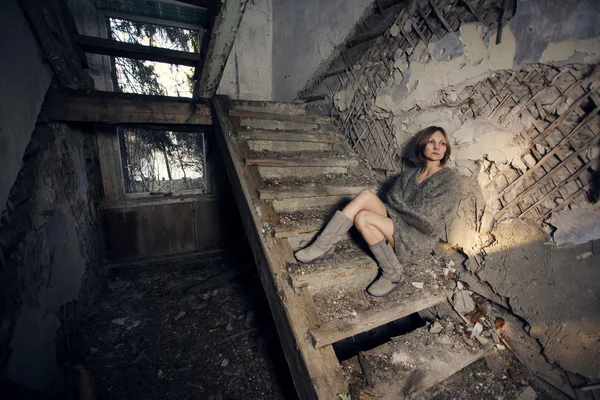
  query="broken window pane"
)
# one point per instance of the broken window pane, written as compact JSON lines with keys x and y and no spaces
{"x":156,"y":161}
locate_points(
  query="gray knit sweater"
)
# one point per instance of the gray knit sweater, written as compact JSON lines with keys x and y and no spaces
{"x":419,"y":211}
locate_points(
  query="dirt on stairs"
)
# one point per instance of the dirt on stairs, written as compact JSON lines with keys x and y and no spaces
{"x":290,"y":170}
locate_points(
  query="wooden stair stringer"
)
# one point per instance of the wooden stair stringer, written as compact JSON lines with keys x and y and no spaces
{"x":316,"y":372}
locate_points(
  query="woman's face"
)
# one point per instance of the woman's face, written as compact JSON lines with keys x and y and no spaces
{"x":435,"y":149}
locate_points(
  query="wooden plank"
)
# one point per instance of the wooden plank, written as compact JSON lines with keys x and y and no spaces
{"x":109,"y":158}
{"x":301,"y":162}
{"x":282,"y":232}
{"x":53,"y":27}
{"x":110,"y":47}
{"x":337,"y":330}
{"x":439,"y":16}
{"x":328,"y":278}
{"x":309,"y":191}
{"x":222,"y":37}
{"x":316,"y":372}
{"x":302,"y":119}
{"x":75,"y":107}
{"x":183,"y":14}
{"x":289,"y":137}
{"x":551,"y":153}
{"x":151,"y":20}
{"x":545,"y":178}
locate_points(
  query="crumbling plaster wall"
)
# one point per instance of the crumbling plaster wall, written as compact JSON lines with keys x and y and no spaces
{"x":551,"y":285}
{"x":50,"y":252}
{"x":305,"y":35}
{"x":25,"y":76}
{"x":248,"y":72}
{"x":51,"y":245}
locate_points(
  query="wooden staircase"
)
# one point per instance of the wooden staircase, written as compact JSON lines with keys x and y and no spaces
{"x":290,"y":170}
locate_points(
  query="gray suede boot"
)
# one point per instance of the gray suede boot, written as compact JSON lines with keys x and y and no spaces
{"x":392,"y":271}
{"x":324,"y":246}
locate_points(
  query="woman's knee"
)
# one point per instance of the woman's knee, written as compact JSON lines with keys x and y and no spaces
{"x":366,"y":195}
{"x":362,"y":219}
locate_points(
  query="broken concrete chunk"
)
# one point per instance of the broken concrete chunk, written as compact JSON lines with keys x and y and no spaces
{"x":478,"y":328}
{"x":527,"y":394}
{"x":463,"y":303}
{"x":394,"y":30}
{"x":180,"y":315}
{"x":541,"y":149}
{"x":529,"y":160}
{"x":436,"y":327}
{"x":585,"y":255}
{"x":575,"y":226}
{"x":517,"y":163}
{"x":483,"y":341}
{"x":459,"y":285}
{"x":418,"y":285}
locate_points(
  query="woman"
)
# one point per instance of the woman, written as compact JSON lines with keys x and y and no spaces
{"x":407,"y":224}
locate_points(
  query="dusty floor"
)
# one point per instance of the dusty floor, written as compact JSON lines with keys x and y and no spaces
{"x":154,"y":335}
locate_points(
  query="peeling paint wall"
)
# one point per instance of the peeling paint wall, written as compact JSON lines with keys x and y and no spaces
{"x":248,"y":72}
{"x":305,"y":34}
{"x":548,"y":276}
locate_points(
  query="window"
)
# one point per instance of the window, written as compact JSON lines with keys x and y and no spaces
{"x":163,"y":162}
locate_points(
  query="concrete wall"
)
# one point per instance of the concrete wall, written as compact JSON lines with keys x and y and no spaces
{"x":50,"y":242}
{"x":305,"y":35}
{"x":248,"y":73}
{"x":24,"y":79}
{"x":50,"y":253}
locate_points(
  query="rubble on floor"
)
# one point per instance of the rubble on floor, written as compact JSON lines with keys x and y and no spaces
{"x":158,"y":334}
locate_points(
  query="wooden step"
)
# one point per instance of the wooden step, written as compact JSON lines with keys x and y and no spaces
{"x":413,"y":363}
{"x":271,"y":107}
{"x":289,"y":136}
{"x":337,"y":330}
{"x":300,"y":119}
{"x":293,"y":162}
{"x":287,"y":146}
{"x":292,"y":199}
{"x":346,"y":310}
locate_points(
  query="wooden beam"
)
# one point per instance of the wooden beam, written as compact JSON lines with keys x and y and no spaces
{"x":161,"y":10}
{"x":336,"y":330}
{"x":221,"y":41}
{"x":301,"y":162}
{"x":118,"y":108}
{"x":200,"y":3}
{"x":151,"y":20}
{"x":53,"y":26}
{"x":110,"y":47}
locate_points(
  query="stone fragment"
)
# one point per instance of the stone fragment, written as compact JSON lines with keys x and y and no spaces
{"x":463,"y":303}
{"x":418,"y":285}
{"x":225,"y":363}
{"x":517,"y":163}
{"x":529,"y":160}
{"x":585,"y":255}
{"x":500,"y":346}
{"x":527,"y":394}
{"x":459,"y":285}
{"x":394,"y":30}
{"x":482,"y":340}
{"x":435,"y":328}
{"x":478,"y":328}
{"x":541,"y":149}
{"x":469,"y":342}
{"x":119,"y":321}
{"x":229,"y":327}
{"x":180,"y":315}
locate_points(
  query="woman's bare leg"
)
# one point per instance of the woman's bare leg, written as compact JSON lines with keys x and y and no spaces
{"x":365,"y":201}
{"x":374,"y":227}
